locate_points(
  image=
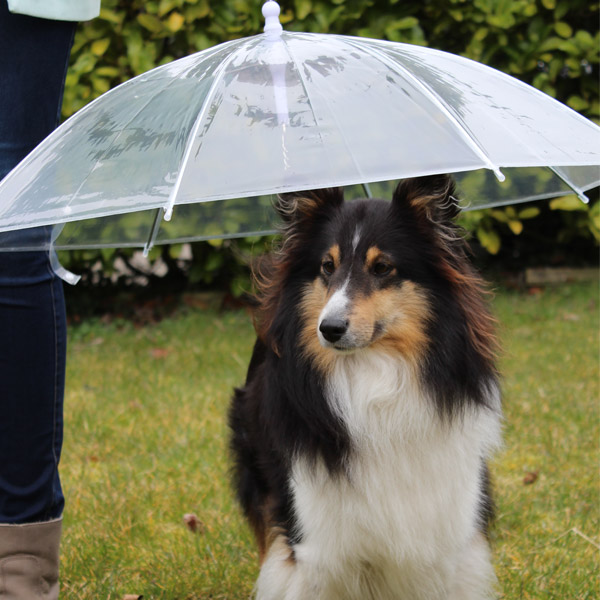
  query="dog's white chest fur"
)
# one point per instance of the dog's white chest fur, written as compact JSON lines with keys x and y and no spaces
{"x":401,"y":521}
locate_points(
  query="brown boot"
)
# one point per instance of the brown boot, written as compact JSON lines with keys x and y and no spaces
{"x":29,"y":561}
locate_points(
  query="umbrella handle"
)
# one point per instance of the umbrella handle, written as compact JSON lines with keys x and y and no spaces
{"x":270,"y":11}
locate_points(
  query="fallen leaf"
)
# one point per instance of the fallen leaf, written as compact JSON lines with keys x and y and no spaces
{"x":193,"y":523}
{"x":534,"y":290}
{"x":160,"y":353}
{"x":530,"y":477}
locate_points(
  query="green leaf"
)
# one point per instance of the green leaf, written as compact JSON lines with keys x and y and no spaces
{"x":107,"y":256}
{"x":166,"y":6}
{"x":563,"y":29}
{"x":150,"y":22}
{"x":529,"y":212}
{"x":406,"y":23}
{"x":578,"y":103}
{"x":107,"y":72}
{"x":111,"y":16}
{"x":499,"y":215}
{"x":154,"y":253}
{"x":85,"y":63}
{"x":562,"y":9}
{"x":489,"y":239}
{"x":570,"y":202}
{"x":480,"y":34}
{"x":99,"y":47}
{"x":303,"y":8}
{"x":175,"y":250}
{"x":199,"y":11}
{"x":175,"y":22}
{"x":100,"y":85}
{"x":549,"y":44}
{"x":515,"y":226}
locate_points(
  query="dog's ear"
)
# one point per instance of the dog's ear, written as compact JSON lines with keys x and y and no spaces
{"x":431,"y":197}
{"x":297,"y":208}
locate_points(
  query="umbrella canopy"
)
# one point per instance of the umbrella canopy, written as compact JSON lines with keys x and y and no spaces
{"x":218,"y":131}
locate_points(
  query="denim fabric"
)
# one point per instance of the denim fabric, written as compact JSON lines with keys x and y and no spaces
{"x":33,"y":59}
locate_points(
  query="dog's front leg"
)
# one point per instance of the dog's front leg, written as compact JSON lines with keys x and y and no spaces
{"x":475,"y":579}
{"x":283,"y":577}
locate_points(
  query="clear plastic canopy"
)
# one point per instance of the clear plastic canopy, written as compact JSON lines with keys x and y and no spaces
{"x":213,"y":135}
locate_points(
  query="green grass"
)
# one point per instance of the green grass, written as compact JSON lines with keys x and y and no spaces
{"x":145,"y":443}
{"x":551,"y":395}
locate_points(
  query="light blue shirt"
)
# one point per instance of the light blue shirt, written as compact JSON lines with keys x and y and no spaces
{"x":61,"y":10}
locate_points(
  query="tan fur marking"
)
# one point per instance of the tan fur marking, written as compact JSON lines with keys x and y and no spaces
{"x":313,"y":302}
{"x":262,"y":531}
{"x":401,"y":312}
{"x":336,"y":255}
{"x":471,"y":290}
{"x":268,"y":535}
{"x":305,"y":204}
{"x":373,"y":254}
{"x":276,"y":541}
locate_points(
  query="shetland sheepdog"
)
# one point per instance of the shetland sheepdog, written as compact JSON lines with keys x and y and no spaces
{"x":371,"y":405}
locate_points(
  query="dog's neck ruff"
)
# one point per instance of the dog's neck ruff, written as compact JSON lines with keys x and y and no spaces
{"x":377,"y":397}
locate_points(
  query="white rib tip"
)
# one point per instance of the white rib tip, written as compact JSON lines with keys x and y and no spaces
{"x":168,"y":213}
{"x":146,"y":251}
{"x":499,"y":174}
{"x":583,"y":197}
{"x":270,"y":11}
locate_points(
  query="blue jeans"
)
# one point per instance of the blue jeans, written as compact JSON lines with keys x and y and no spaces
{"x":33,"y":58}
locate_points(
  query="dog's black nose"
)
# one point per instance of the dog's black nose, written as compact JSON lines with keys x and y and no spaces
{"x":333,"y":329}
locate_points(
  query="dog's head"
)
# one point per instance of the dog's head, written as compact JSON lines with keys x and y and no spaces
{"x":372,"y":274}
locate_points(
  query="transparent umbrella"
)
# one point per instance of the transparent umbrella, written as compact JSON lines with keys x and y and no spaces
{"x":211,"y":136}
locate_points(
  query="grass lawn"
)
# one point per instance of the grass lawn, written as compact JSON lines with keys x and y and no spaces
{"x":145,"y":444}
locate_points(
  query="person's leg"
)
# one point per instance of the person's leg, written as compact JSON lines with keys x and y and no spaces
{"x":32,"y":369}
{"x":33,"y":59}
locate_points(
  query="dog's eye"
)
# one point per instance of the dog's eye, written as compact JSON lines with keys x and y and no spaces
{"x":328,"y":267}
{"x":382,"y":268}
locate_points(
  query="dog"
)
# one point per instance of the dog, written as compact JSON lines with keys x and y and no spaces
{"x":361,"y":437}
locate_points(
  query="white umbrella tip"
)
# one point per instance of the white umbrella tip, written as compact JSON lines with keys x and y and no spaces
{"x":270,"y":11}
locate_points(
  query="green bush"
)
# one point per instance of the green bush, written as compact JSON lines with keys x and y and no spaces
{"x":551,"y":44}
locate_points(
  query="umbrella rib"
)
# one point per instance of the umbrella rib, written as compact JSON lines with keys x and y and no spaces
{"x":191,"y":138}
{"x":441,"y":105}
{"x":571,"y":185}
